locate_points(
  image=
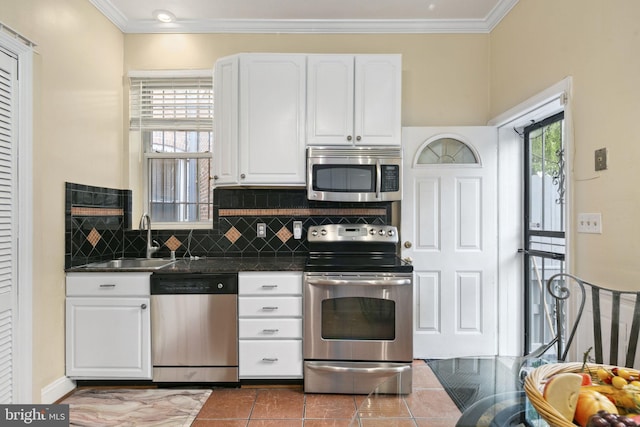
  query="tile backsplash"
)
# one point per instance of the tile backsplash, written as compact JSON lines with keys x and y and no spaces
{"x":99,"y":224}
{"x":95,"y":222}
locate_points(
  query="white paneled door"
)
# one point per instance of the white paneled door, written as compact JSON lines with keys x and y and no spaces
{"x":8,"y":291}
{"x":449,"y":230}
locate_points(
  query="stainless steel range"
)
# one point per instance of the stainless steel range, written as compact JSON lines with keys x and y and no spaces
{"x":358,"y":310}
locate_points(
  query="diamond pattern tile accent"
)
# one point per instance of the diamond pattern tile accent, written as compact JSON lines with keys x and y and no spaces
{"x":232,"y":234}
{"x":94,"y":237}
{"x":173,"y":243}
{"x":284,"y":234}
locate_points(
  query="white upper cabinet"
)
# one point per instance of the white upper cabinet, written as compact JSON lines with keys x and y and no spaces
{"x":260,"y":119}
{"x":225,"y":143}
{"x":354,"y":99}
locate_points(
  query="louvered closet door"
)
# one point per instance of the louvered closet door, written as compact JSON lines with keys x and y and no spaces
{"x":8,"y":290}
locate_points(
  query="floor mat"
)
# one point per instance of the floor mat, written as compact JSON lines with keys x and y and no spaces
{"x":134,"y":407}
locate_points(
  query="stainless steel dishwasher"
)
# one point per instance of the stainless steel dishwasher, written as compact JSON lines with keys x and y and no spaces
{"x":194,"y":327}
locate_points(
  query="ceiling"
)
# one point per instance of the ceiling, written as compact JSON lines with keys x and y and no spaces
{"x":307,"y":16}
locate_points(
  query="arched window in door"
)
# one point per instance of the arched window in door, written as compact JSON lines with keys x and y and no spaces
{"x":447,"y":150}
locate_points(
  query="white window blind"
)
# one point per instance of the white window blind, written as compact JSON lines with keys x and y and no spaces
{"x":171,"y":103}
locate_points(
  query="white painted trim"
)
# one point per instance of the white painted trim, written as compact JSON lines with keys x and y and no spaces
{"x":57,"y":389}
{"x":312,"y":26}
{"x":305,"y":26}
{"x":111,"y":12}
{"x":204,"y":73}
{"x":23,"y":332}
{"x":549,"y":101}
{"x":520,"y":112}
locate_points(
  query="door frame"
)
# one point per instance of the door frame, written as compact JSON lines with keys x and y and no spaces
{"x":23,"y":320}
{"x":551,"y":100}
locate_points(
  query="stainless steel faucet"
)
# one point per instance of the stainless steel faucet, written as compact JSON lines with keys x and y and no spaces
{"x":152,"y":245}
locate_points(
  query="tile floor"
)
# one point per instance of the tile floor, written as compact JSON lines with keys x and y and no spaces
{"x":427,"y":406}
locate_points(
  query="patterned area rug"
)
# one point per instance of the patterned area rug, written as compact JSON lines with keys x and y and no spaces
{"x":135,"y":407}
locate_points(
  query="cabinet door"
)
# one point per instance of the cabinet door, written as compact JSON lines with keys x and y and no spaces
{"x":378,"y":94}
{"x":272,"y":119}
{"x":225,"y":155}
{"x":270,"y":359}
{"x":330,"y":99}
{"x":108,"y":338}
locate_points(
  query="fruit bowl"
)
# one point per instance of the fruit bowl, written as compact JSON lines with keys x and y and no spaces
{"x":534,"y":385}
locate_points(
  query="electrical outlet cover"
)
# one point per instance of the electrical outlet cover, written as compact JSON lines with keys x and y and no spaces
{"x":601,"y":159}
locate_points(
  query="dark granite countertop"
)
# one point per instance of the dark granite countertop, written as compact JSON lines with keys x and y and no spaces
{"x":235,"y":264}
{"x":214,"y":265}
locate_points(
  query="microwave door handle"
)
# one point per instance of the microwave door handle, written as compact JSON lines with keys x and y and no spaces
{"x":378,"y":178}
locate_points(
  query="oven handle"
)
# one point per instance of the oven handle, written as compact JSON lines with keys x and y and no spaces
{"x":319,"y":366}
{"x":367,"y":282}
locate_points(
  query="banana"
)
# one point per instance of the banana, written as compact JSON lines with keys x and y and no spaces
{"x":627,"y":398}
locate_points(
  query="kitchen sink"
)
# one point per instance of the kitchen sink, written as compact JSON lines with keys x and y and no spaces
{"x":132,"y":263}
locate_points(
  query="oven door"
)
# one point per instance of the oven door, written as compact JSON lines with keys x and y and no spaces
{"x":358,"y":317}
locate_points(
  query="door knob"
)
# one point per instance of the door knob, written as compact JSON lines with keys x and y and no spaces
{"x":243,"y":176}
{"x":407,"y":244}
{"x":143,"y":306}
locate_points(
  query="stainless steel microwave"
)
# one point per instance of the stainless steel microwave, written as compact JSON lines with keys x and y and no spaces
{"x":354,"y":174}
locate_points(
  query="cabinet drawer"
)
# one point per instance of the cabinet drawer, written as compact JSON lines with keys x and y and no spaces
{"x":108,"y":284}
{"x":270,"y":359}
{"x":270,"y":328}
{"x":260,"y":283}
{"x":270,"y":307}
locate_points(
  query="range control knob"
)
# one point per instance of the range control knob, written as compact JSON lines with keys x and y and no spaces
{"x":323,"y":232}
{"x":381,"y":232}
{"x":372,"y":232}
{"x":314,"y":233}
{"x":390,"y":233}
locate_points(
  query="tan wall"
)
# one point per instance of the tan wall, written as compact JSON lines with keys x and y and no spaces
{"x":444,"y":76}
{"x":77,"y":138}
{"x":539,"y":43}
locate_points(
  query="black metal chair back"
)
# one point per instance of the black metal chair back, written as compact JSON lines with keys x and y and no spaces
{"x":560,"y":290}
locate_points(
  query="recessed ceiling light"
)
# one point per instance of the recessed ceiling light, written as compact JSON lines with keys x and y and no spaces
{"x":164,"y":15}
{"x":432,"y":6}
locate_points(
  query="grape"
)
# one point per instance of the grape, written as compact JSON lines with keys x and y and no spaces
{"x":605,"y":419}
{"x":597,"y":421}
{"x":627,"y":421}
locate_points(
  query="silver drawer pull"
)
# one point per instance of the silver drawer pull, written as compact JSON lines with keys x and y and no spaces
{"x":270,"y":359}
{"x":270,"y":331}
{"x":270,"y":308}
{"x":108,"y":285}
{"x":269,"y":286}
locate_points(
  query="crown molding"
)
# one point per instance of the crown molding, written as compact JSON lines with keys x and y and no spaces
{"x":308,"y":26}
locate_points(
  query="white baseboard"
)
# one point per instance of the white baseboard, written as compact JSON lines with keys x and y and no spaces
{"x":56,"y":390}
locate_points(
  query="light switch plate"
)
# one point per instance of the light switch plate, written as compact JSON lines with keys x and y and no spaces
{"x":590,"y":223}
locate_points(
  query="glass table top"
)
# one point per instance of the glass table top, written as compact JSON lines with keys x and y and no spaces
{"x":460,"y":392}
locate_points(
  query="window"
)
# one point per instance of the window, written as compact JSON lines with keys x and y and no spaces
{"x":173,"y":117}
{"x":447,"y":150}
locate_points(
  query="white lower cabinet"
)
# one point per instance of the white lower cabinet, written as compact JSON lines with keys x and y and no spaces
{"x":270,"y":325}
{"x":108,"y":328}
